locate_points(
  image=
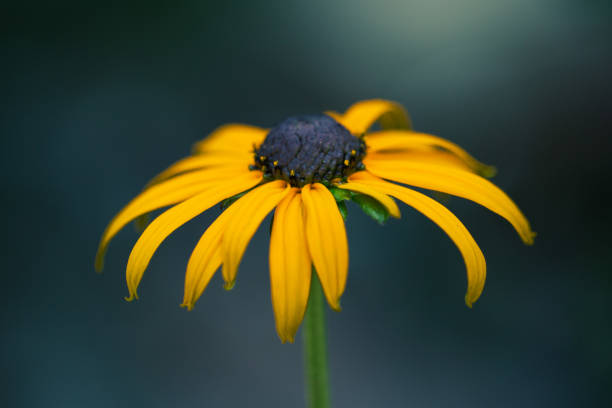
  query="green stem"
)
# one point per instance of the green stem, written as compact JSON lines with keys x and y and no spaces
{"x":315,"y":348}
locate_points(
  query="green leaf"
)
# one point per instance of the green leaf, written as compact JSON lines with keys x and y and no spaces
{"x":340,"y":194}
{"x":371,"y":207}
{"x":342,"y":208}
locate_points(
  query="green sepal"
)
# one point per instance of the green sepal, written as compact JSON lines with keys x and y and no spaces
{"x":229,"y":201}
{"x":342,"y":208}
{"x":371,"y":207}
{"x":340,"y":194}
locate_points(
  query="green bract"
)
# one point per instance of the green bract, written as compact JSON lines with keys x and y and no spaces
{"x":368,"y":205}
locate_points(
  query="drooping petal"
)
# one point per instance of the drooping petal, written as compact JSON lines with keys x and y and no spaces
{"x":455,"y":182}
{"x":360,"y":116}
{"x":290,"y":266}
{"x":205,"y":259}
{"x":250,"y":211}
{"x":471,"y":253}
{"x":173,"y":218}
{"x":398,"y":140}
{"x":327,"y":244}
{"x":382,"y":198}
{"x":222,"y":161}
{"x":159,"y":196}
{"x":232,"y":137}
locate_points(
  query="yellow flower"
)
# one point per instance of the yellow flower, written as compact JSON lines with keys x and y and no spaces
{"x":304,"y":169}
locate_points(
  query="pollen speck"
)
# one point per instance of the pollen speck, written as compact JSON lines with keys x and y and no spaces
{"x":346,"y":162}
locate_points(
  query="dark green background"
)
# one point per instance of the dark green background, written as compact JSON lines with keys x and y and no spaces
{"x":98,"y":97}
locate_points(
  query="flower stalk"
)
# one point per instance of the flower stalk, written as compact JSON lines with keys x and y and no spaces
{"x":315,"y":348}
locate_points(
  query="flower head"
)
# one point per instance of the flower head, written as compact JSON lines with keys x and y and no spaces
{"x":309,"y":149}
{"x":304,"y":169}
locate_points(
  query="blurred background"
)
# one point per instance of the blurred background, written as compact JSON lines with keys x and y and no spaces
{"x":97,"y":97}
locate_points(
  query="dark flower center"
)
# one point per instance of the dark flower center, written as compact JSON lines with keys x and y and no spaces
{"x":308,"y":149}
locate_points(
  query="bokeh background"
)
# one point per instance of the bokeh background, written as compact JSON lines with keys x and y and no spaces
{"x":99,"y":96}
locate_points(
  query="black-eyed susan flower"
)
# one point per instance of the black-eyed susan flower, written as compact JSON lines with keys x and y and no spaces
{"x":304,"y":169}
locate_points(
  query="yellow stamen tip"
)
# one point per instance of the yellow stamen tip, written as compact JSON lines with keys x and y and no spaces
{"x":275,"y":162}
{"x":292,"y":173}
{"x":346,"y":162}
{"x":262,"y":158}
{"x":353,"y":152}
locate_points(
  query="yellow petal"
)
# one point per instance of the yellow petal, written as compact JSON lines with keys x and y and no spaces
{"x":173,"y":218}
{"x":290,"y":266}
{"x":360,"y":116}
{"x":455,"y":182}
{"x":159,"y":196}
{"x":221,"y":161}
{"x":250,"y":210}
{"x":398,"y":140}
{"x":471,"y":253}
{"x":428,"y":155}
{"x":218,"y":173}
{"x":384,"y":199}
{"x":327,"y":244}
{"x":205,"y":259}
{"x":232,"y":137}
